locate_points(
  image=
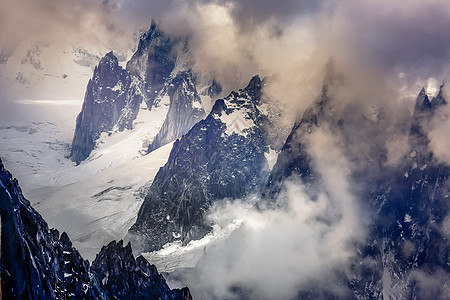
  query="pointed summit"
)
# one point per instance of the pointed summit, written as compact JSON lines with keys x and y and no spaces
{"x":39,"y":263}
{"x":332,"y":77}
{"x":221,"y":157}
{"x":422,"y":101}
{"x":424,"y":104}
{"x":147,"y":37}
{"x":103,"y":103}
{"x":154,"y":61}
{"x":254,"y":88}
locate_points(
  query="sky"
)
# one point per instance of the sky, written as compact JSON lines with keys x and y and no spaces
{"x":406,"y":42}
{"x":388,"y":50}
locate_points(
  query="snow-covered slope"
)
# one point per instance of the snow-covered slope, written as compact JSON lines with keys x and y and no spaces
{"x":34,"y":146}
{"x":175,"y":256}
{"x":50,"y":70}
{"x":116,"y":147}
{"x":222,"y":156}
{"x":101,"y":207}
{"x":36,"y":149}
{"x":160,"y":68}
{"x":74,"y":198}
{"x":39,"y":263}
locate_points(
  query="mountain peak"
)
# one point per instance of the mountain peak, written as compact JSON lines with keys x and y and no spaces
{"x":36,"y":263}
{"x":332,"y":77}
{"x":424,"y":103}
{"x":422,"y":91}
{"x":109,"y":59}
{"x":148,"y":36}
{"x":254,"y":88}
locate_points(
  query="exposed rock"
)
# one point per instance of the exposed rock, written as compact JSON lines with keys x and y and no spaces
{"x":107,"y":95}
{"x":38,"y":263}
{"x":184,"y":112}
{"x":220,"y":157}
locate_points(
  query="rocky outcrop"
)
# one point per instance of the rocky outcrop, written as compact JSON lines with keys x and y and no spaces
{"x":114,"y":95}
{"x":154,"y":61}
{"x":407,"y":244}
{"x":107,"y":95}
{"x":185,"y":110}
{"x":39,"y":263}
{"x":125,"y":277}
{"x":405,"y":253}
{"x":220,"y":157}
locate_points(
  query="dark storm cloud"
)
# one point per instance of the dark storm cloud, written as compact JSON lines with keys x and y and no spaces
{"x":254,"y":12}
{"x":408,"y":36}
{"x":47,"y":21}
{"x":243,"y":11}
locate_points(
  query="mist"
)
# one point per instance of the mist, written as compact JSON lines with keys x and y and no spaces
{"x":277,"y":252}
{"x":404,"y":43}
{"x":387,"y":50}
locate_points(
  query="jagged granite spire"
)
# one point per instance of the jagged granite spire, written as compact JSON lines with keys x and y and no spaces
{"x":221,"y":157}
{"x":406,"y":240}
{"x":38,"y":263}
{"x":294,"y":162}
{"x":114,"y":95}
{"x":154,"y":61}
{"x":106,"y":97}
{"x":184,"y":112}
{"x":409,"y":204}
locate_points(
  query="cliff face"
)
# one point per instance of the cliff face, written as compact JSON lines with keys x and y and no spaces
{"x":159,"y":68}
{"x":39,"y":263}
{"x":108,"y":100}
{"x":409,"y":203}
{"x":154,"y":61}
{"x":185,"y":110}
{"x":221,"y":157}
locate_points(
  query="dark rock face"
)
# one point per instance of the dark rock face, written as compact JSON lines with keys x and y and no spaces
{"x":214,"y":90}
{"x":406,"y":252}
{"x":407,"y":242}
{"x":106,"y":97}
{"x":38,"y":263}
{"x":220,"y":157}
{"x":125,"y":277}
{"x":114,"y":95}
{"x":154,"y":61}
{"x":294,"y":162}
{"x":184,"y":112}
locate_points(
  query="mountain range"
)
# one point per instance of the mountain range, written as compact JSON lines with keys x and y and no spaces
{"x":223,"y":148}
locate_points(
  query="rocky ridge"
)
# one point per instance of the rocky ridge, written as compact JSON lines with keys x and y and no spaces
{"x":39,"y":263}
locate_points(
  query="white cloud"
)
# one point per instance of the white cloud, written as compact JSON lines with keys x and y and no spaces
{"x":276,"y":252}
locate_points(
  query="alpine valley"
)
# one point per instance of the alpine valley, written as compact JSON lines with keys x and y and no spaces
{"x":227,"y":192}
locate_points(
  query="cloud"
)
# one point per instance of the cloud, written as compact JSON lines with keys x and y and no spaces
{"x":439,"y":134}
{"x":408,"y":36}
{"x":254,"y":12}
{"x":290,"y":41}
{"x":432,"y":285}
{"x":277,"y":252}
{"x":44,"y":21}
{"x":403,"y":44}
{"x":386,"y":50}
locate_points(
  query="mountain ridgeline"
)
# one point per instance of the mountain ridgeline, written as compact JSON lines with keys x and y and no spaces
{"x":223,"y":154}
{"x":185,"y":110}
{"x":114,"y":96}
{"x":221,"y":157}
{"x":39,"y":263}
{"x":107,"y":95}
{"x":405,"y":254}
